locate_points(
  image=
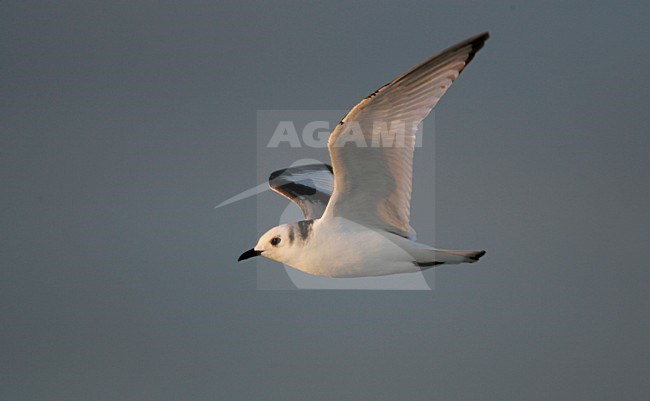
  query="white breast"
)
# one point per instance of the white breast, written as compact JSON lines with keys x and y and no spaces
{"x":342,"y":248}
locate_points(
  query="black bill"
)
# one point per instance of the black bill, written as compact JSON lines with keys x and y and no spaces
{"x":249,"y":254}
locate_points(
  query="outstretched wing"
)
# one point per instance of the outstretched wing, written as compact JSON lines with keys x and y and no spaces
{"x":308,"y":186}
{"x":372,"y":147}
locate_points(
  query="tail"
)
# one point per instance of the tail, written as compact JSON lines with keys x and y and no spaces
{"x":434,"y":257}
{"x":426,"y":256}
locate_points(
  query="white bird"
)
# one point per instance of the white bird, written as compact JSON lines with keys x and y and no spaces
{"x":357,"y":211}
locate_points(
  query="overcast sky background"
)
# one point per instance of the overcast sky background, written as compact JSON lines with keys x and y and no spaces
{"x":124,"y":123}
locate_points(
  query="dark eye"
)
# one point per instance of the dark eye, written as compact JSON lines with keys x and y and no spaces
{"x":275,"y":241}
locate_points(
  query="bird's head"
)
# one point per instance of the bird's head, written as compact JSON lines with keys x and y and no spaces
{"x":275,"y":244}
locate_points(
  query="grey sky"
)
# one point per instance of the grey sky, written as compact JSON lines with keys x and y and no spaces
{"x":124,"y":123}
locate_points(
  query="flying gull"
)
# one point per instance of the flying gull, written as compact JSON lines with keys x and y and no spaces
{"x":357,"y":210}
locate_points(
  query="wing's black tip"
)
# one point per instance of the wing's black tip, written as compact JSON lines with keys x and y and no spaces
{"x":276,"y":174}
{"x":315,"y":167}
{"x":477,"y":42}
